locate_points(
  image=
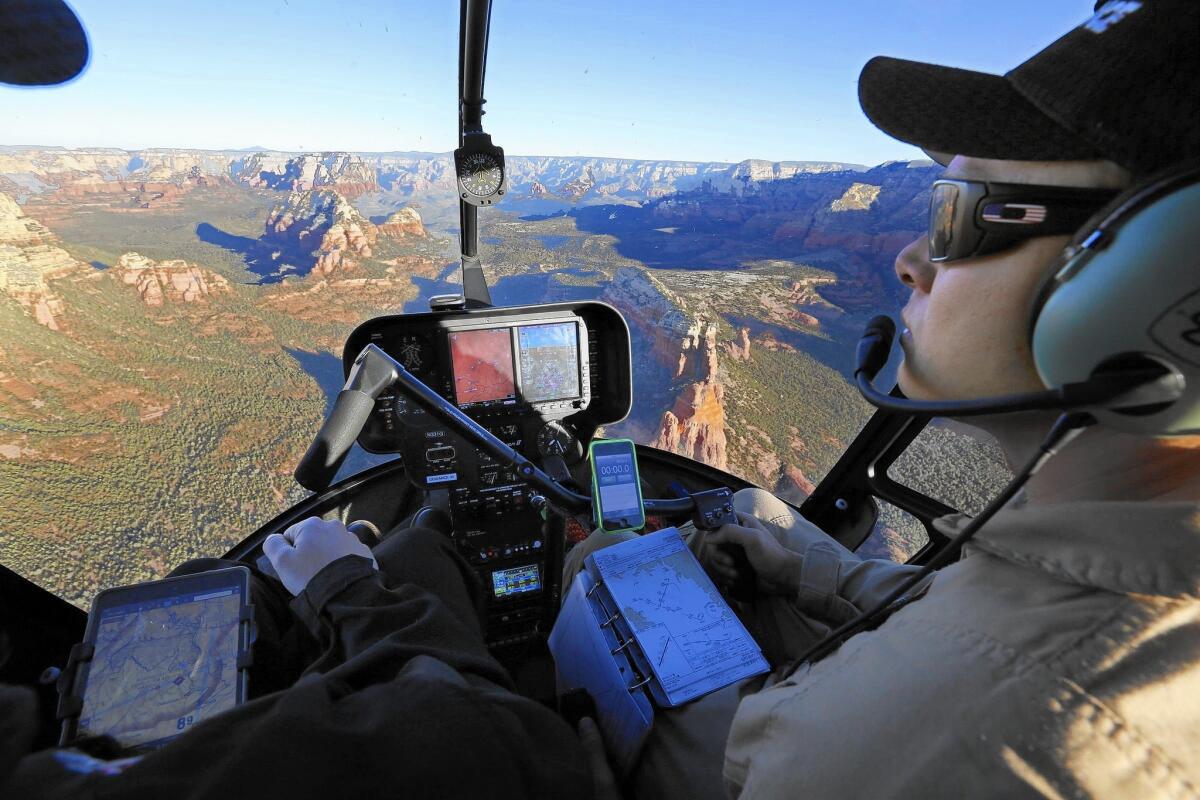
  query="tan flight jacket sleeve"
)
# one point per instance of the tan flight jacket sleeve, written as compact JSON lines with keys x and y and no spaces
{"x":835,"y":584}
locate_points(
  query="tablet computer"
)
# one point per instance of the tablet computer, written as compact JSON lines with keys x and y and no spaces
{"x":160,"y":657}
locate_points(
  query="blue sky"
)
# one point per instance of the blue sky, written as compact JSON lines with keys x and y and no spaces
{"x":656,"y":79}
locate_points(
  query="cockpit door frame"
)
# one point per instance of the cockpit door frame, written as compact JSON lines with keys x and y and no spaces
{"x":845,"y":503}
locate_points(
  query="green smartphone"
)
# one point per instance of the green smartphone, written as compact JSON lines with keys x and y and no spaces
{"x":616,"y":486}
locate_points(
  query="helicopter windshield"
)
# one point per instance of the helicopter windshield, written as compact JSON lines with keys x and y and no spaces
{"x":190,"y":229}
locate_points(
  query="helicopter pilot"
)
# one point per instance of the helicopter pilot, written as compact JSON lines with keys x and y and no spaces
{"x":1060,"y":657}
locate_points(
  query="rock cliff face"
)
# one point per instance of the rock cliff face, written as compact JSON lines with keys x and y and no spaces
{"x":739,"y":350}
{"x":756,"y":170}
{"x":570,"y":179}
{"x":321,"y":224}
{"x":653,"y":311}
{"x":859,"y":197}
{"x":886,"y":543}
{"x":793,"y":486}
{"x":171,"y":281}
{"x":694,"y":357}
{"x":346,"y":174}
{"x":403,"y":224}
{"x":113,"y":164}
{"x":850,"y":222}
{"x":139,"y":178}
{"x":695,"y":426}
{"x":29,"y":258}
{"x":590,"y":179}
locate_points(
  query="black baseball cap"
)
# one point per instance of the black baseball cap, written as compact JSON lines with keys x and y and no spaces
{"x":42,"y":43}
{"x":1123,"y":86}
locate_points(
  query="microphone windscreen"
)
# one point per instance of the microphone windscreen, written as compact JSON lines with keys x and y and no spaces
{"x":874,"y":346}
{"x":882,"y":325}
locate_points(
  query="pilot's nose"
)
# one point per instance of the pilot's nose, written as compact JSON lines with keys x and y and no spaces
{"x":913,"y":267}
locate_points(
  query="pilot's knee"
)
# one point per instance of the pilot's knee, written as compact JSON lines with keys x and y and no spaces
{"x":597,"y":540}
{"x":765,"y":506}
{"x":415,"y":544}
{"x":791,"y":529}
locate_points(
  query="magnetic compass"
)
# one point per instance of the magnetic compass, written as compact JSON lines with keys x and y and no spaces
{"x":480,"y":168}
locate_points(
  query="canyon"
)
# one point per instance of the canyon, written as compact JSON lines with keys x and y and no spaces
{"x":33,"y":170}
{"x":180,"y":313}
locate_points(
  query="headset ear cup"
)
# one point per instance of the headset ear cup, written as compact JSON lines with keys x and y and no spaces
{"x":1128,"y":287}
{"x":1050,"y":282}
{"x":1090,"y":232}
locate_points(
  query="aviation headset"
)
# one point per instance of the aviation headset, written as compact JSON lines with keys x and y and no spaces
{"x":1125,"y":291}
{"x":1115,"y":331}
{"x":1115,"y":326}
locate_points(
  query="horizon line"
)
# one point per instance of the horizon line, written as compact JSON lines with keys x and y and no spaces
{"x":446,"y":153}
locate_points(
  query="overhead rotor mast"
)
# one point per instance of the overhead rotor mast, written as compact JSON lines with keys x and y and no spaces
{"x":479,"y":165}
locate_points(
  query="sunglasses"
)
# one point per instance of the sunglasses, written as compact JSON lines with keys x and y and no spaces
{"x":974,"y":218}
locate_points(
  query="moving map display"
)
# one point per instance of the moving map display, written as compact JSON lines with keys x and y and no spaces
{"x":549,"y":357}
{"x":161,"y":666}
{"x":483,"y":366}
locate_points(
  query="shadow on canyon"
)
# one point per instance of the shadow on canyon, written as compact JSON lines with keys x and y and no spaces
{"x":271,"y":262}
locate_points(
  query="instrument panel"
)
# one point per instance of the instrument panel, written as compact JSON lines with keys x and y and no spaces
{"x":539,"y":378}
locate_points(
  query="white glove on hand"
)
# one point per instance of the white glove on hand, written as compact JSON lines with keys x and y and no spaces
{"x":309,"y":546}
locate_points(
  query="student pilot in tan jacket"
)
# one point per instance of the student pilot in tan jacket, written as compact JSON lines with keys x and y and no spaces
{"x":1060,"y":656}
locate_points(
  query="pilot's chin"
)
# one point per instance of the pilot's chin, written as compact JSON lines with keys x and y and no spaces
{"x":909,"y":384}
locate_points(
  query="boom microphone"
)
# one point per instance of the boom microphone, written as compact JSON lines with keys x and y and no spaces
{"x":874,"y":346}
{"x":1142,"y":384}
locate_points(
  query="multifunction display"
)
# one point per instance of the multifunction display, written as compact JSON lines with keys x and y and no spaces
{"x":498,"y":366}
{"x":518,"y":580}
{"x":483,"y":366}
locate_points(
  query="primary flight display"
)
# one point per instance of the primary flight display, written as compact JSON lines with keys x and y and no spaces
{"x":549,"y":356}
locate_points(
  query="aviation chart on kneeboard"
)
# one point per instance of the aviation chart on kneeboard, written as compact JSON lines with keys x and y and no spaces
{"x":693,"y":641}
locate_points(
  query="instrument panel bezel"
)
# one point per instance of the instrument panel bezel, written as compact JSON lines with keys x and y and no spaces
{"x":604,"y":348}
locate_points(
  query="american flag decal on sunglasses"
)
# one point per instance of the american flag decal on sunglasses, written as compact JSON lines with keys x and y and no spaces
{"x":1015,"y":213}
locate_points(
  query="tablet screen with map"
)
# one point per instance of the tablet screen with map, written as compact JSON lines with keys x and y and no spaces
{"x":166,"y":657}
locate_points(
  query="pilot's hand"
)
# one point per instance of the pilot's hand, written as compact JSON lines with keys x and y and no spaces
{"x":603,"y":781}
{"x":776,"y":567}
{"x":309,"y":546}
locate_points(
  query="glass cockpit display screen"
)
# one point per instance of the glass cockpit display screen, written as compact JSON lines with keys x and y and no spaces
{"x":483,"y":366}
{"x":518,"y":580}
{"x":549,"y":357}
{"x":161,"y":665}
